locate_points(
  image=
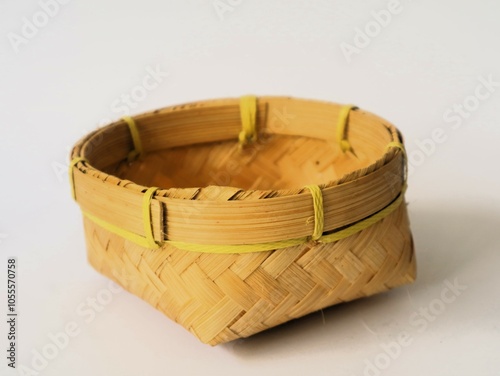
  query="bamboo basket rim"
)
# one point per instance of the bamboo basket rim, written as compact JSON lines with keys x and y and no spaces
{"x":391,"y":159}
{"x":384,"y":158}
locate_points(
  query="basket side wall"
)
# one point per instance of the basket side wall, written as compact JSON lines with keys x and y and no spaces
{"x":222,"y":297}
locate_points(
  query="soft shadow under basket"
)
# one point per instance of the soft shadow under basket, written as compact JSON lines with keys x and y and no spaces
{"x":233,"y":216}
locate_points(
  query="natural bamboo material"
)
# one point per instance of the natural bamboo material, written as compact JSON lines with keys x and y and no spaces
{"x":217,"y":194}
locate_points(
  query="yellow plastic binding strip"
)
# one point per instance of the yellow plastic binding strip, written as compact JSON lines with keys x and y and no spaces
{"x":248,"y":113}
{"x":133,"y":237}
{"x":365,"y":223}
{"x":238,"y":248}
{"x":136,"y":139}
{"x":344,"y":143}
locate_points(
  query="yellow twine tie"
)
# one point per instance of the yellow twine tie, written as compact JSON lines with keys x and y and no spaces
{"x":72,"y":165}
{"x":344,"y":143}
{"x":319,"y":219}
{"x":248,"y":113}
{"x":136,"y":139}
{"x":146,"y":216}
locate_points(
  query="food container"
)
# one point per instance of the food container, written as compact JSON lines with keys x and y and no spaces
{"x":232,"y":216}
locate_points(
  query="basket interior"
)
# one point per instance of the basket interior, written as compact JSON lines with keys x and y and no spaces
{"x":273,"y":162}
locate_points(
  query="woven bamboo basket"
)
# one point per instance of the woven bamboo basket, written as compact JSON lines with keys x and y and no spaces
{"x":233,"y":216}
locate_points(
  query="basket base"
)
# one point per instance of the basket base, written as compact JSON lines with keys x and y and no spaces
{"x":222,"y":297}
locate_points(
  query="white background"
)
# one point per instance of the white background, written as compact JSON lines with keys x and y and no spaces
{"x":68,"y":76}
